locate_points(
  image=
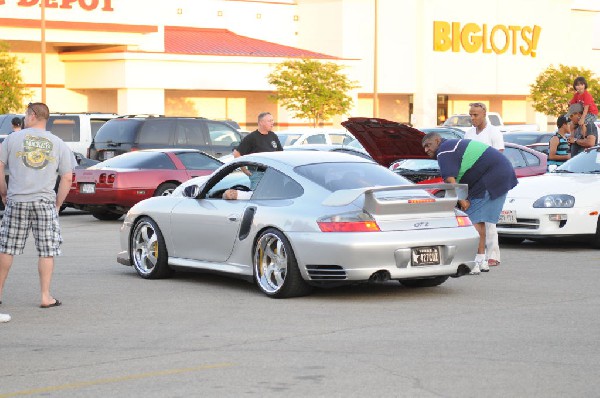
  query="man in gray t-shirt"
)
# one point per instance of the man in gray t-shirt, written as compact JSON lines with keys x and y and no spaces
{"x":34,"y":158}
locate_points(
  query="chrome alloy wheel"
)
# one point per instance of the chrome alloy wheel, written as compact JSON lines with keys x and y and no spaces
{"x":271,"y":262}
{"x":144,"y":247}
{"x":168,"y":192}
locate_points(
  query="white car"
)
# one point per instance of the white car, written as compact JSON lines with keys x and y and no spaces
{"x":314,"y":136}
{"x":562,"y":204}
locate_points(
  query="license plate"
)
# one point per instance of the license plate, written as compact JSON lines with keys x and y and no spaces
{"x":425,"y":256}
{"x":508,"y":217}
{"x":109,"y":154}
{"x":87,"y":188}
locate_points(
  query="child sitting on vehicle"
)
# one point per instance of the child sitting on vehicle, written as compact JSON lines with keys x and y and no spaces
{"x":583,"y":97}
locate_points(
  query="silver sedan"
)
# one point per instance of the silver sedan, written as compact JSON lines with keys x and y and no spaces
{"x":306,"y":220}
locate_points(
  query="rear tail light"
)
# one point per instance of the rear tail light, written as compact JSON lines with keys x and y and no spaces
{"x":107,"y":178}
{"x":349,"y":222}
{"x":463,"y":221}
{"x":133,"y":149}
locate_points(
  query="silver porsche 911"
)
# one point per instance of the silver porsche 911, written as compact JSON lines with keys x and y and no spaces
{"x":308,"y":219}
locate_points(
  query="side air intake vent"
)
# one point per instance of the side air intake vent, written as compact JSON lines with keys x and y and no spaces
{"x":326,"y":272}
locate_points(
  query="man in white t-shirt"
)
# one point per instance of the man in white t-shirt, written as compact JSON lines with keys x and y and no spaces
{"x":487,"y":133}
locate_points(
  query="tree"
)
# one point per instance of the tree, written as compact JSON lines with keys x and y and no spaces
{"x":12,"y":89}
{"x":553,"y":88}
{"x":311,"y":89}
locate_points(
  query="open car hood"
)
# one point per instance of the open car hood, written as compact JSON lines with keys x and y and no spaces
{"x":387,"y":141}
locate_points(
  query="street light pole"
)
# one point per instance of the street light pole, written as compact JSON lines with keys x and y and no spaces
{"x":43,"y":52}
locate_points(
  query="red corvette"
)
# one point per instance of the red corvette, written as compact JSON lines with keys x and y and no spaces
{"x":110,"y":188}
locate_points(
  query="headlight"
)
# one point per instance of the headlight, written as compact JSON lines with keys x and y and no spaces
{"x":555,"y":201}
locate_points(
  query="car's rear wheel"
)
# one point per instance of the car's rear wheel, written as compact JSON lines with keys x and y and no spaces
{"x":105,"y":215}
{"x":147,"y":250}
{"x":165,"y":189}
{"x":275,"y":268}
{"x":425,"y":282}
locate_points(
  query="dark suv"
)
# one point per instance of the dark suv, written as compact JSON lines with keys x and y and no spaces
{"x":127,"y":133}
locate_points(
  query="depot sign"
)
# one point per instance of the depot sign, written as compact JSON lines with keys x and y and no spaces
{"x":473,"y":38}
{"x":88,"y":5}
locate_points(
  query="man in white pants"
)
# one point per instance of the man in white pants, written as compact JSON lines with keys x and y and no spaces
{"x":485,"y":132}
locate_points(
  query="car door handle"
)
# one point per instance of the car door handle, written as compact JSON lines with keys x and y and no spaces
{"x":233,"y":217}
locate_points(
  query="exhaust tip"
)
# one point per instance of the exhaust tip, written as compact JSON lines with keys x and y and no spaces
{"x":380,"y":277}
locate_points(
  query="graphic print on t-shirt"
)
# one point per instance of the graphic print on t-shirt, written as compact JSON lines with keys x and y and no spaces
{"x":36,"y":152}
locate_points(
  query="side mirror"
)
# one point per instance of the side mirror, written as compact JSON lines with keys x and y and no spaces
{"x":191,"y":191}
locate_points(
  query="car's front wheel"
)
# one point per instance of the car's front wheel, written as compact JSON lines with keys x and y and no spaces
{"x":147,"y":250}
{"x":425,"y":282}
{"x":275,"y":268}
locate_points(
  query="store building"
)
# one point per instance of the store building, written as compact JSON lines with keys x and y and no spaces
{"x":422,"y":60}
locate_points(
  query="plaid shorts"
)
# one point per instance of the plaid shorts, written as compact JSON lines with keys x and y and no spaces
{"x":20,"y":217}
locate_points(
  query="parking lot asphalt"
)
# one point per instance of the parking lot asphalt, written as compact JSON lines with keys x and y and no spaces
{"x":527,"y":328}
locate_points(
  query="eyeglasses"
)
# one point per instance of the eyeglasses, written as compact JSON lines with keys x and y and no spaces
{"x":30,"y":108}
{"x":478,"y":105}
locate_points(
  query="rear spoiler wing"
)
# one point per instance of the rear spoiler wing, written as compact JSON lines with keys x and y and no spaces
{"x":453,"y":192}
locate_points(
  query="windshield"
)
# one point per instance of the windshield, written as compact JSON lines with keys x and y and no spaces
{"x":419,"y":164}
{"x":137,"y":160}
{"x":355,"y":144}
{"x":526,"y":139}
{"x":458,"y":121}
{"x":337,"y":176}
{"x":585,"y":162}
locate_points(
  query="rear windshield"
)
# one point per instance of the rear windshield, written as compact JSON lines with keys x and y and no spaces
{"x":118,"y":130}
{"x":337,"y":176}
{"x":495,"y":120}
{"x":288,"y":138}
{"x":138,"y":160}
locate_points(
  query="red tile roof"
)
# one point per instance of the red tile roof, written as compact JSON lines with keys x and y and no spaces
{"x":203,"y":41}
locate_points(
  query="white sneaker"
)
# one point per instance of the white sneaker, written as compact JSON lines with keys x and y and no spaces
{"x":4,"y":318}
{"x":484,"y":266}
{"x":475,"y":270}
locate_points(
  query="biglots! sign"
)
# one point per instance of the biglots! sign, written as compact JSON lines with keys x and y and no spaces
{"x":498,"y":39}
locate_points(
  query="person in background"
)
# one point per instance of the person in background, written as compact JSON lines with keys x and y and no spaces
{"x":491,"y":135}
{"x":582,"y":136}
{"x":583,"y":97}
{"x":34,"y":158}
{"x":488,"y":174}
{"x":260,"y":140}
{"x":558,"y":147}
{"x":16,"y":124}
